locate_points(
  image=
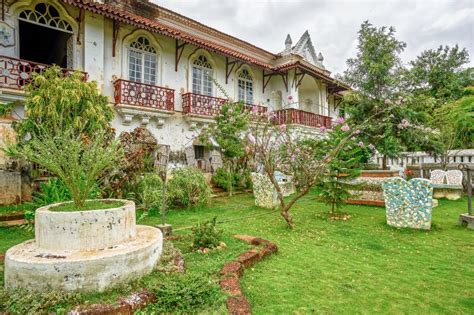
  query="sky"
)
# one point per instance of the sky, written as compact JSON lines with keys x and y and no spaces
{"x":333,"y":25}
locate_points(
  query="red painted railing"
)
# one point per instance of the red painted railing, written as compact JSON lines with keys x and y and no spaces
{"x":210,"y":106}
{"x":143,"y":95}
{"x":202,"y":104}
{"x":297,"y":116}
{"x":16,"y":73}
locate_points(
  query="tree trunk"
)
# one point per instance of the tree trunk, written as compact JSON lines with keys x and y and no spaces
{"x":230,"y":177}
{"x":384,"y":162}
{"x":286,"y":215}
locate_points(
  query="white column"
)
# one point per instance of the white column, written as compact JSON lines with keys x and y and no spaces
{"x":94,"y":48}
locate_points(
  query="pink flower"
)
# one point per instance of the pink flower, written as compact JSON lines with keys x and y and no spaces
{"x":345,"y":128}
{"x":357,"y":132}
{"x":361,"y":144}
{"x":339,"y":121}
{"x":371,"y":147}
{"x":322,"y":129}
{"x":254,"y":109}
{"x":293,"y":158}
{"x":251,"y":138}
{"x":282,"y":127}
{"x":290,"y":98}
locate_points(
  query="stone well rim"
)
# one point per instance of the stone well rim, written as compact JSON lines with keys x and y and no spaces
{"x":46,"y":209}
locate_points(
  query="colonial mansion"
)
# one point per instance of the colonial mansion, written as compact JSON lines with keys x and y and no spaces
{"x":158,"y":67}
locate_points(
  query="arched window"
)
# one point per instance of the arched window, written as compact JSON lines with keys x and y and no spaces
{"x":46,"y":15}
{"x":245,"y":86}
{"x":202,"y":76}
{"x":142,"y":61}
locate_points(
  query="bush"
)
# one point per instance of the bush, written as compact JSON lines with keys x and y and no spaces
{"x":187,"y":187}
{"x":150,"y":193}
{"x":21,"y":301}
{"x":188,"y":293}
{"x":206,"y":235}
{"x":221,"y":179}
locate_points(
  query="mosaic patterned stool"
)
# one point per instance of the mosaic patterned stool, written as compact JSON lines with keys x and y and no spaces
{"x":264,"y":192}
{"x":408,"y":203}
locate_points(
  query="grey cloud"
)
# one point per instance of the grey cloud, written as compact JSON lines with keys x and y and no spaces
{"x":333,"y":25}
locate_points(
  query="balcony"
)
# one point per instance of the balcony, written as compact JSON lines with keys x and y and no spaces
{"x":16,"y":73}
{"x":300,"y":117}
{"x":202,"y":105}
{"x":143,"y":100}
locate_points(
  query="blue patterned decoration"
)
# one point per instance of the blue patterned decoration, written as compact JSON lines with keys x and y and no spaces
{"x":408,"y":203}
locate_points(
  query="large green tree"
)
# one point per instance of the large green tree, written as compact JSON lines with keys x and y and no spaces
{"x":439,"y":73}
{"x":376,"y":76}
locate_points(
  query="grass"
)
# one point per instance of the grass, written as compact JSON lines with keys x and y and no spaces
{"x":15,"y":208}
{"x":89,"y":205}
{"x":323,"y":266}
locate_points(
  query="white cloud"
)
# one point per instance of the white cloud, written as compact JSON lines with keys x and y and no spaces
{"x":333,"y":25}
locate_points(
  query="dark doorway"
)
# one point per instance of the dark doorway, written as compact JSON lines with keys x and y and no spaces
{"x":44,"y":45}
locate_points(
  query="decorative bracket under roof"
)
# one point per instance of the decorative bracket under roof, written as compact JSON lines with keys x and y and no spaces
{"x":268,"y":76}
{"x":229,"y":67}
{"x":178,"y":53}
{"x":298,"y":78}
{"x":116,"y":28}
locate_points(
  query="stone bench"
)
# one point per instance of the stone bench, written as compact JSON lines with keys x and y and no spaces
{"x":450,"y":192}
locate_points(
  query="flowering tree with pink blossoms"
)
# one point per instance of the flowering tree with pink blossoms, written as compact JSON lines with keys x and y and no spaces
{"x":277,"y":147}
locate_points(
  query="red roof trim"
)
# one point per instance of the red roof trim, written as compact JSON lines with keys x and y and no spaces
{"x":153,"y":26}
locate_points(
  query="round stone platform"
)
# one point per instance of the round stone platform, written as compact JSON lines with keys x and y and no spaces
{"x":92,"y":229}
{"x":36,"y":268}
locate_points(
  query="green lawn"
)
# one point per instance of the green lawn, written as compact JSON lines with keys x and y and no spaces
{"x":323,"y":266}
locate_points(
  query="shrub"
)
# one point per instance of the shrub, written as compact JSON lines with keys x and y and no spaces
{"x":187,"y":187}
{"x":206,"y":235}
{"x":150,"y":192}
{"x":21,"y":301}
{"x":76,"y":159}
{"x":52,"y":191}
{"x":188,"y":293}
{"x":221,"y":179}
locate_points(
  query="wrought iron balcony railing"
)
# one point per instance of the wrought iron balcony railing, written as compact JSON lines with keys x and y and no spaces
{"x":143,"y":95}
{"x":204,"y":105}
{"x":16,"y":73}
{"x":301,"y":117}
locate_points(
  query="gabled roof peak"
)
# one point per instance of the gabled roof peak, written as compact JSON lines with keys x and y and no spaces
{"x":304,"y":48}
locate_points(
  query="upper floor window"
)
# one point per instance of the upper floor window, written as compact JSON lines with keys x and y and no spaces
{"x":142,"y":61}
{"x":47,"y":15}
{"x":202,"y":76}
{"x":245,"y":87}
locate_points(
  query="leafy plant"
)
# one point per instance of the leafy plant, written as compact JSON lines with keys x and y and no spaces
{"x":221,"y":179}
{"x":150,"y":193}
{"x":206,"y":235}
{"x":77,"y":160}
{"x":21,"y":301}
{"x":184,"y":294}
{"x":337,"y":182}
{"x":188,"y":187}
{"x":58,"y":102}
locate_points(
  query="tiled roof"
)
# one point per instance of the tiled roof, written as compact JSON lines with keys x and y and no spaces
{"x":123,"y":16}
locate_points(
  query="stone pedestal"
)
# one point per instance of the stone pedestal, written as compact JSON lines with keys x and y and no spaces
{"x":83,"y":250}
{"x":467,"y":219}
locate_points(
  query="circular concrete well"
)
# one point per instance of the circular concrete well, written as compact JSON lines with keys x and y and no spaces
{"x":83,"y":250}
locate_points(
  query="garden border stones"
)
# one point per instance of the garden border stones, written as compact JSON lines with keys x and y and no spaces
{"x":230,"y":273}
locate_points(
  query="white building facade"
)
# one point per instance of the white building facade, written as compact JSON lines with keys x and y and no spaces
{"x":158,"y":68}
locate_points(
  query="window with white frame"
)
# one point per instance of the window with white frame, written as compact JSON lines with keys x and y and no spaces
{"x":142,"y":61}
{"x":245,"y":87}
{"x":202,"y":76}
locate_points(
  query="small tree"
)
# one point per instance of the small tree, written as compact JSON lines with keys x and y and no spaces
{"x":338,"y":179}
{"x":76,"y":159}
{"x":58,"y":102}
{"x":305,"y":159}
